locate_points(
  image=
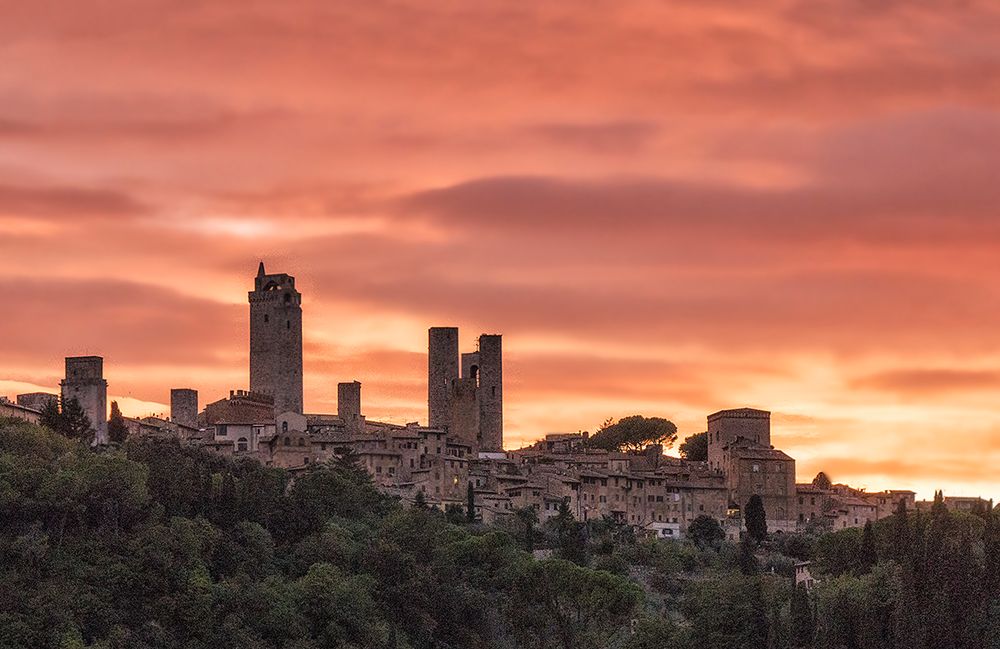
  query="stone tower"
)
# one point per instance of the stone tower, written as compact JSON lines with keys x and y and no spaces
{"x":184,"y":407}
{"x":349,"y":407}
{"x":726,"y":426}
{"x":276,"y":340}
{"x":442,"y":370}
{"x":490,"y":374}
{"x":85,"y":382}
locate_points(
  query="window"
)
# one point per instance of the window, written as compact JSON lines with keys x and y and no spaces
{"x":288,"y":441}
{"x":284,"y":426}
{"x":302,"y":442}
{"x":305,"y":460}
{"x":288,"y":324}
{"x":241,"y":444}
{"x":756,"y":468}
{"x":378,"y":470}
{"x":267,"y":318}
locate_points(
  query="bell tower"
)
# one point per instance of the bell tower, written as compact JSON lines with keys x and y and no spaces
{"x":276,"y":340}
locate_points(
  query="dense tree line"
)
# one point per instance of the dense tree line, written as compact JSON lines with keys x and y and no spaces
{"x":156,"y":545}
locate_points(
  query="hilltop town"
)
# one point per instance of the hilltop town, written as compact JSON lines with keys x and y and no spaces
{"x":462,"y":442}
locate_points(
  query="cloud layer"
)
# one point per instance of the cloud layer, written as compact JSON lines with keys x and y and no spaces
{"x":666,"y":209}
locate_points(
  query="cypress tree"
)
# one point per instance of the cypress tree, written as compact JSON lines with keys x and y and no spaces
{"x":803,"y":625}
{"x":747,"y":560}
{"x":756,"y":519}
{"x":868,"y":553}
{"x":470,"y":503}
{"x":117,"y":430}
{"x":74,"y":421}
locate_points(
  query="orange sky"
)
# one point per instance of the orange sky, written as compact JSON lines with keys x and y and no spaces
{"x":667,"y":208}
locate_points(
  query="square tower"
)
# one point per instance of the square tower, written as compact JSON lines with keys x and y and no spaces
{"x":349,"y":407}
{"x":442,"y":370}
{"x":184,"y":407}
{"x":85,"y":382}
{"x":727,"y":426}
{"x":490,"y":375}
{"x":276,"y":340}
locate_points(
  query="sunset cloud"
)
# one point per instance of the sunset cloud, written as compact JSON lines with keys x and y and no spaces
{"x":667,"y":208}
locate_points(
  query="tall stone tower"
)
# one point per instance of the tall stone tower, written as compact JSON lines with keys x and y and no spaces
{"x":85,"y":382}
{"x":442,"y":369}
{"x":490,"y":374}
{"x":276,"y":340}
{"x":184,"y":407}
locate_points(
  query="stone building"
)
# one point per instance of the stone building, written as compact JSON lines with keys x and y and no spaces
{"x":276,"y":340}
{"x":17,"y":411}
{"x":37,"y":400}
{"x":85,"y":382}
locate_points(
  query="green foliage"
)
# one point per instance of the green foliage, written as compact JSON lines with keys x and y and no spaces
{"x":154,"y":545}
{"x":706,"y":532}
{"x":634,"y":433}
{"x":756,"y":519}
{"x":69,"y":421}
{"x":117,"y":430}
{"x":803,"y":625}
{"x":695,"y":448}
{"x":822,"y":481}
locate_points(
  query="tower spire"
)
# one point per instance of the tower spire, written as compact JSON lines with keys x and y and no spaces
{"x":260,"y":269}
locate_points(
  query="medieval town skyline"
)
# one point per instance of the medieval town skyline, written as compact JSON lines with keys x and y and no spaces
{"x":802,"y":222}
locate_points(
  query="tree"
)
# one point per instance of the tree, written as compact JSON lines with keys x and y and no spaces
{"x":802,"y":622}
{"x":756,"y":519}
{"x":706,"y":532}
{"x":470,"y":503}
{"x":868,"y":554}
{"x":634,"y":434}
{"x":746,"y":558}
{"x":526,"y":519}
{"x":695,"y":448}
{"x":569,"y":534}
{"x":51,"y":418}
{"x":822,"y":481}
{"x":117,"y":430}
{"x":74,"y":422}
{"x":939,"y":508}
{"x":420,"y":501}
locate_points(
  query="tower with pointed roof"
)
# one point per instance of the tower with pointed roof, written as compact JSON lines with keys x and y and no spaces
{"x":276,"y":340}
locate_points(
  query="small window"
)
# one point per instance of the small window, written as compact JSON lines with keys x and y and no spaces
{"x":284,"y":426}
{"x":241,"y":444}
{"x":302,"y":442}
{"x":267,"y":318}
{"x":288,"y":441}
{"x":288,"y":324}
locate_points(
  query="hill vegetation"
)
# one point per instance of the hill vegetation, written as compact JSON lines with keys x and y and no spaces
{"x":155,"y":545}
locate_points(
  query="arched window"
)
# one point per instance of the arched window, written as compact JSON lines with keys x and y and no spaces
{"x":241,"y":444}
{"x":284,"y":426}
{"x":302,"y":441}
{"x":288,"y":441}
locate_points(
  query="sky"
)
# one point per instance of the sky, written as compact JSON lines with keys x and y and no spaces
{"x":666,"y":208}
